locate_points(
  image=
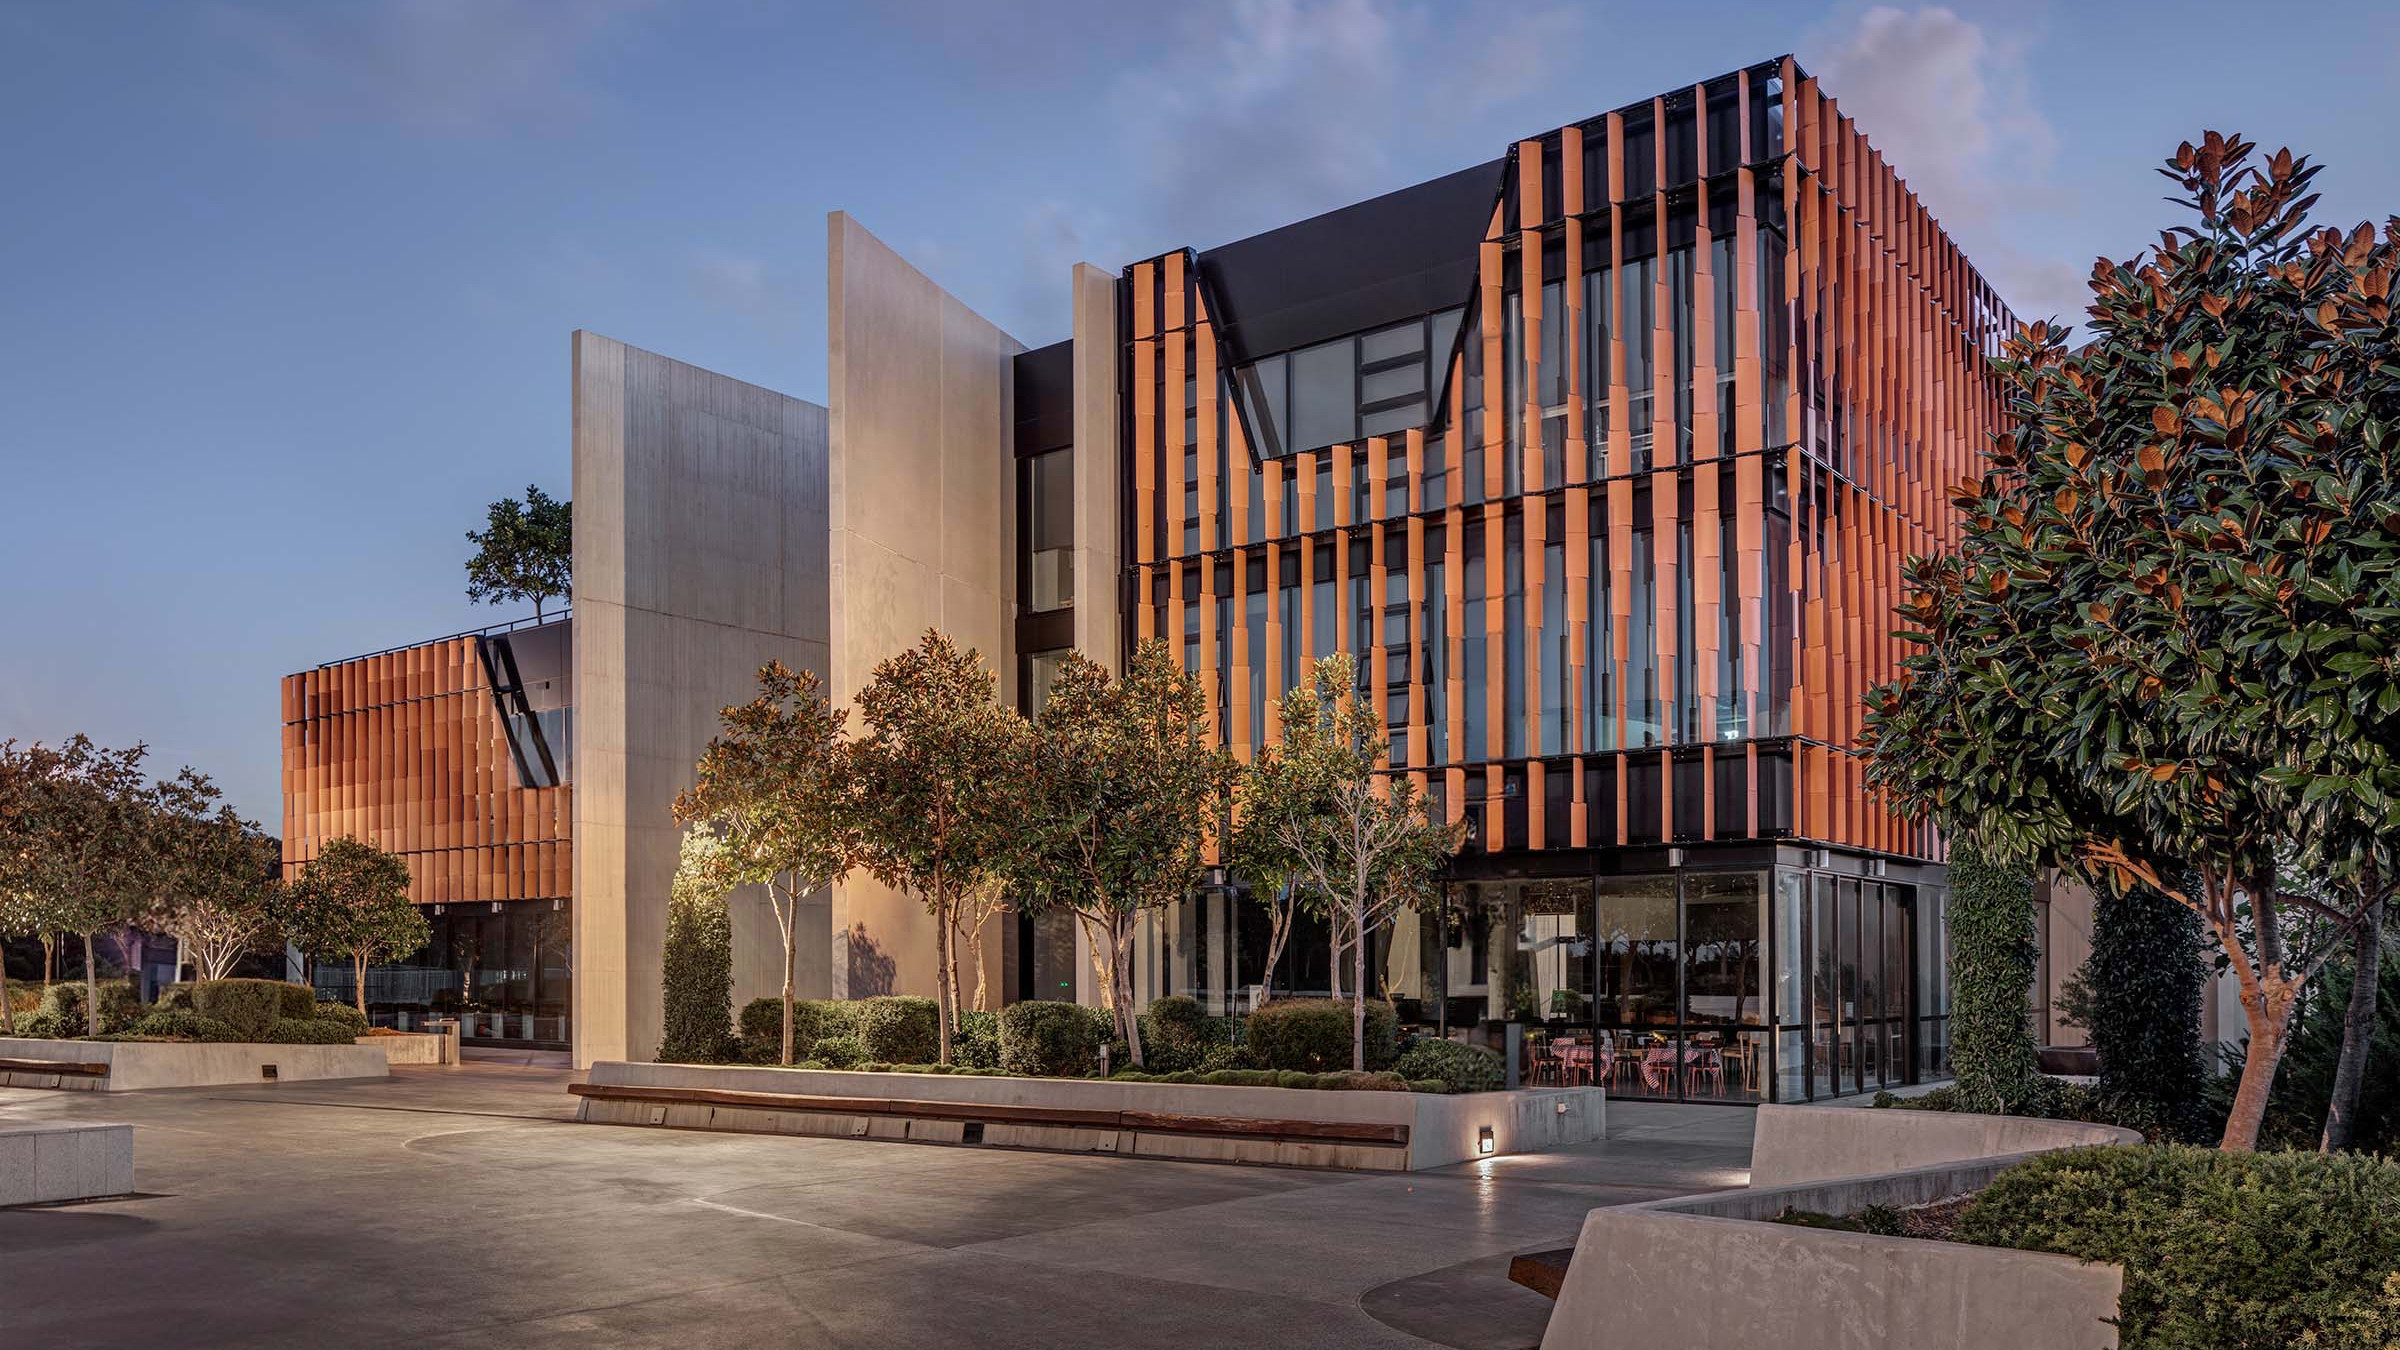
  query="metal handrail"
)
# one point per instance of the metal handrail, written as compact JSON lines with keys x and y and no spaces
{"x":564,"y":612}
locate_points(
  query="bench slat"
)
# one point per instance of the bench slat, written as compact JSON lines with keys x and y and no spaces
{"x":1155,"y":1122}
{"x":72,"y":1068}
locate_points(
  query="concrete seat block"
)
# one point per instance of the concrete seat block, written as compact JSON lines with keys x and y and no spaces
{"x":45,"y":1164}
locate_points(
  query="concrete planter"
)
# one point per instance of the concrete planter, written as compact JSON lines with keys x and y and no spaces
{"x":416,"y":1047}
{"x":1706,"y":1271}
{"x":135,"y":1066}
{"x":46,"y":1164}
{"x":1438,"y":1130}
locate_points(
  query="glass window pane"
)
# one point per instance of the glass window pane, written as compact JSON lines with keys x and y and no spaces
{"x":1324,"y":397}
{"x":1406,"y":339}
{"x":1263,"y":394}
{"x":1398,"y":382}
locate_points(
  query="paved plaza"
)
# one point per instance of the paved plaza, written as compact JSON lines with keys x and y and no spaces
{"x":463,"y":1208}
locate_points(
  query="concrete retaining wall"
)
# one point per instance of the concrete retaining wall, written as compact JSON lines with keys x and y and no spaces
{"x":45,"y":1164}
{"x":1442,"y":1130}
{"x":1814,"y":1143}
{"x":416,"y":1047}
{"x":135,"y":1066}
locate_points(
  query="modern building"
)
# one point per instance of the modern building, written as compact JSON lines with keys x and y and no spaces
{"x":1600,"y":457}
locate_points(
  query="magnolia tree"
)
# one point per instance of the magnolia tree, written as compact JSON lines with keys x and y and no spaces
{"x":219,"y":877}
{"x":76,"y":841}
{"x":937,"y":775}
{"x":1125,"y":789}
{"x":776,"y":787}
{"x":1364,"y":843}
{"x":2163,"y":649}
{"x":352,"y":899}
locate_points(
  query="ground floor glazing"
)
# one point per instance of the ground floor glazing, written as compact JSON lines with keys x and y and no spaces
{"x":504,"y":970}
{"x":1745,"y":976}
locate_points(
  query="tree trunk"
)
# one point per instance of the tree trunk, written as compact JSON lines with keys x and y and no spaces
{"x":8,"y":1015}
{"x":358,"y":969}
{"x":49,"y":960}
{"x":2358,"y":1031}
{"x":91,"y":990}
{"x":941,"y":982}
{"x":1280,"y":913}
{"x":790,"y":940}
{"x":1120,"y":943}
{"x":1358,"y":994}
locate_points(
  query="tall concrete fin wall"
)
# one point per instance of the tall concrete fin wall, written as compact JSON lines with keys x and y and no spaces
{"x":700,"y":554}
{"x":923,"y":516}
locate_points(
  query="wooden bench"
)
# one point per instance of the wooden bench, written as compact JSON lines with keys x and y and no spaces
{"x":1370,"y":1134}
{"x":1544,"y":1273}
{"x":63,"y":1067}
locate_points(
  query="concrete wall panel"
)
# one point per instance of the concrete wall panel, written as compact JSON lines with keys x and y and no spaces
{"x":700,"y":554}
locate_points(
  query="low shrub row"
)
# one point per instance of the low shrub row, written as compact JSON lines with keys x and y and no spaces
{"x":895,"y":1028}
{"x":1458,"y":1067}
{"x":211,"y":1011}
{"x":2053,"y":1099}
{"x":2220,"y":1250}
{"x":1313,"y":1035}
{"x":1342,"y":1080}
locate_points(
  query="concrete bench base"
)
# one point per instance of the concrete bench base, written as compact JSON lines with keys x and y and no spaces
{"x":46,"y":1164}
{"x":133,"y":1066}
{"x":1354,"y":1131}
{"x":416,"y":1047}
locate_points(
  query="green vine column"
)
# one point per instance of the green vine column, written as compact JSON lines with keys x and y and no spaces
{"x":1992,"y":960}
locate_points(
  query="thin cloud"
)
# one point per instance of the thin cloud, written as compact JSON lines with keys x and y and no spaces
{"x":442,"y":67}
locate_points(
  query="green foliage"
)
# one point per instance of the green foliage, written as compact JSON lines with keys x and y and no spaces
{"x":938,"y":778}
{"x":308,"y":1031}
{"x":2164,"y":641}
{"x":2049,"y":1099}
{"x":1128,"y":783}
{"x":343,"y":1013}
{"x":1457,"y":1066}
{"x":839,"y":1052}
{"x":1878,"y":1220}
{"x":525,"y":551}
{"x":1177,"y":1035}
{"x":176,"y":997}
{"x":351,"y":900}
{"x":978,"y":1044}
{"x":253,"y":1006}
{"x":812,"y":1020}
{"x":1359,"y":843}
{"x":696,"y":966}
{"x":1043,"y":1039}
{"x":78,"y":841}
{"x":2219,"y":1249}
{"x":2139,"y":995}
{"x":184,"y":1026}
{"x":775,"y":787}
{"x":1992,"y":960}
{"x":219,"y":877}
{"x":899,"y":1028}
{"x":1313,"y":1034}
{"x":120,"y":1005}
{"x":1339,"y":1080}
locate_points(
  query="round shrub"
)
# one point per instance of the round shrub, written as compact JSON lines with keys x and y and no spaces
{"x":839,"y":1052}
{"x":1459,"y":1067}
{"x":812,"y":1019}
{"x":900,"y":1028}
{"x":1177,"y":1034}
{"x":120,"y":1006}
{"x":344,"y":1014}
{"x":252,"y":1006}
{"x":1239,"y":1078}
{"x":978,"y":1041}
{"x":306,"y":1031}
{"x":2220,"y":1250}
{"x":1313,"y":1034}
{"x":1044,"y":1039}
{"x":1227,"y":1057}
{"x":176,"y":997}
{"x":183,"y":1026}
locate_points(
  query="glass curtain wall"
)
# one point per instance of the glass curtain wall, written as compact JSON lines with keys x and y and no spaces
{"x":505,"y":971}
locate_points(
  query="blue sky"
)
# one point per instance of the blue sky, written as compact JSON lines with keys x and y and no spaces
{"x":288,"y":287}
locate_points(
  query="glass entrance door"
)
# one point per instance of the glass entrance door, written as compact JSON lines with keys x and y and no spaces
{"x":1680,"y":985}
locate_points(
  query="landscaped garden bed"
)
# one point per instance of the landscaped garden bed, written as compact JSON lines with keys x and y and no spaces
{"x":213,"y":1033}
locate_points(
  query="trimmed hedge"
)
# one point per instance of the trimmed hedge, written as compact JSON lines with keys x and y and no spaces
{"x":696,"y":982}
{"x":2220,"y":1250}
{"x":62,"y":1004}
{"x":1342,"y":1081}
{"x":306,"y":1031}
{"x":900,"y":1028}
{"x":1044,"y":1039}
{"x":977,"y":1043}
{"x":176,"y":997}
{"x":812,"y":1019}
{"x":252,"y":1007}
{"x":1312,"y":1035}
{"x":344,"y":1014}
{"x":838,"y":1052}
{"x":1457,"y":1066}
{"x":2139,"y":994}
{"x":175,"y":1025}
{"x":1177,"y":1035}
{"x":2050,"y":1099}
{"x":1993,"y":960}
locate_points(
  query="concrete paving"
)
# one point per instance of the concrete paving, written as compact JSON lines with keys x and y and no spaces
{"x":463,"y":1207}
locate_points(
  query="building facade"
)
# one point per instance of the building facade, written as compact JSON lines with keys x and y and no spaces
{"x":1600,"y":457}
{"x":458,"y":756}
